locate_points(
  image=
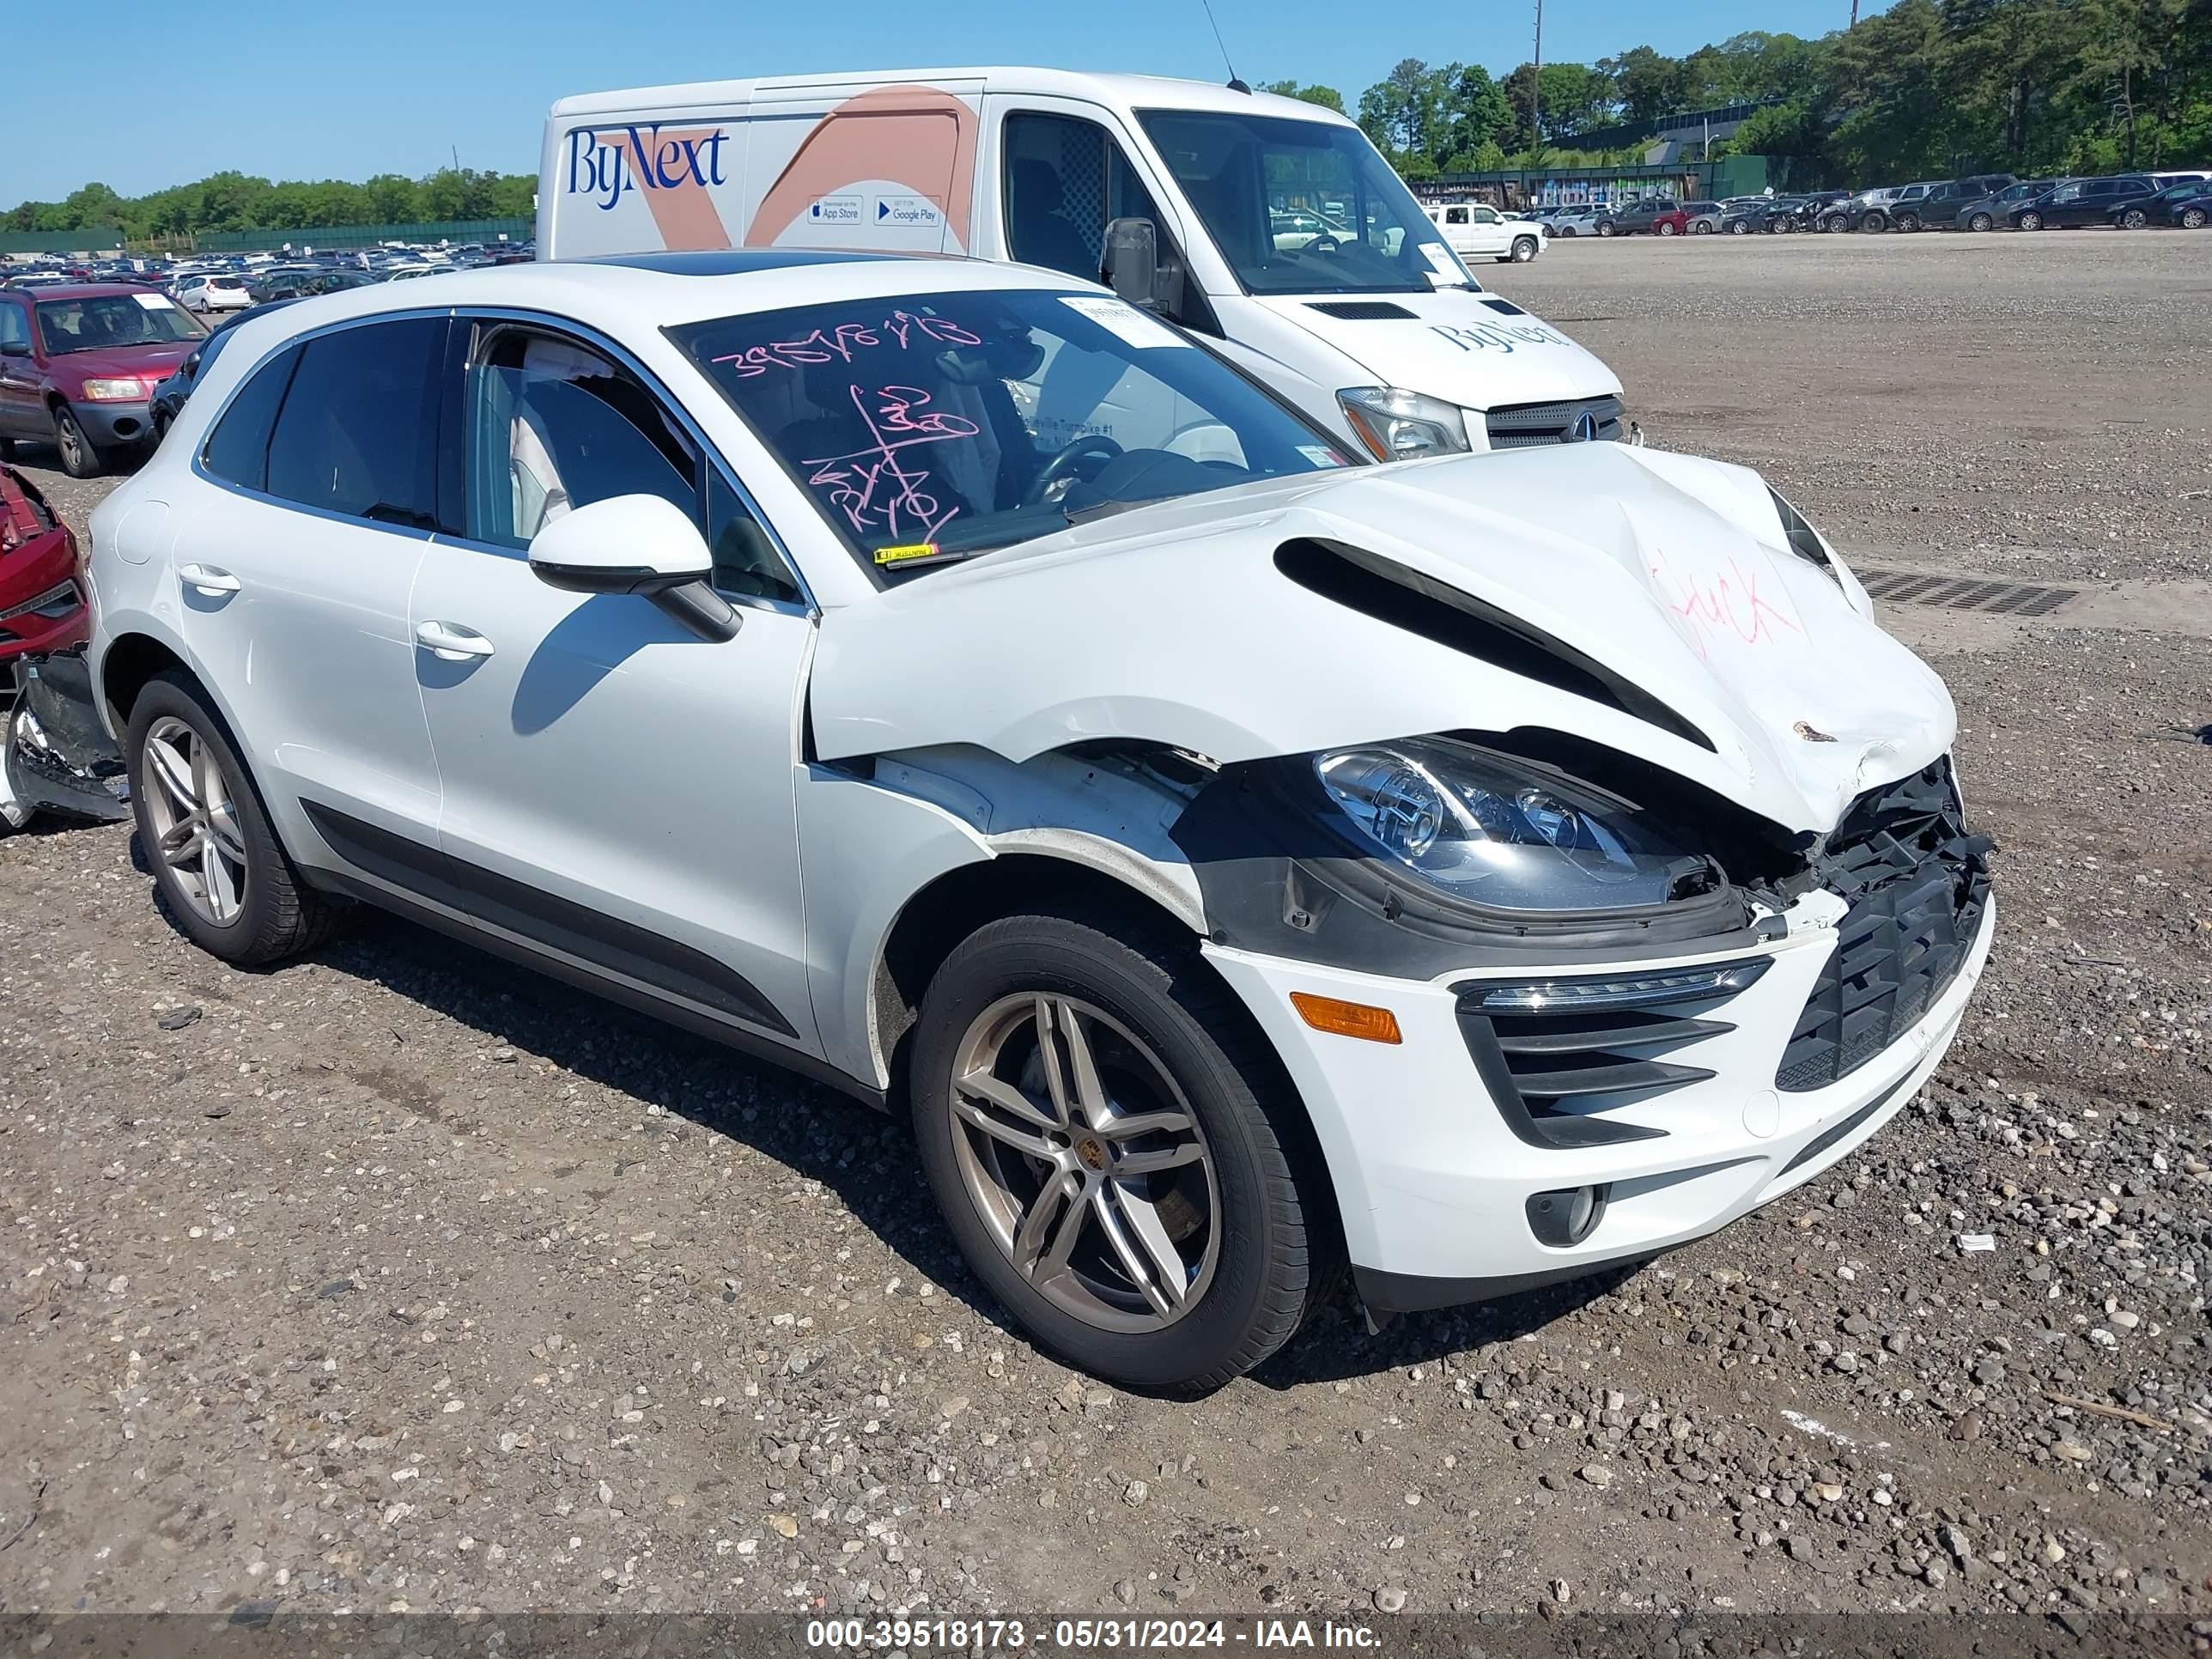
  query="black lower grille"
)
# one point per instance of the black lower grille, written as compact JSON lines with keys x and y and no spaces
{"x":1549,"y":1067}
{"x":1916,"y":883}
{"x":1527,"y":426}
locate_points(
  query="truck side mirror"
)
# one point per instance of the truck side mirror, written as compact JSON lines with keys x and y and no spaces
{"x":1132,"y":264}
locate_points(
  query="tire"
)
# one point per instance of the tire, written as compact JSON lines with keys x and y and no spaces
{"x":2134,"y":219}
{"x":2194,"y":218}
{"x":80,"y":459}
{"x":1739,"y":228}
{"x":161,"y":424}
{"x":1876,"y":221}
{"x":1702,"y":227}
{"x":274,"y":913}
{"x":1524,"y":250}
{"x":1982,"y":222}
{"x":1607,"y":228}
{"x":1781,"y":225}
{"x":1835,"y":222}
{"x":1566,"y":230}
{"x":1908,"y":222}
{"x":1666,"y":228}
{"x":2030,"y":220}
{"x":1146,"y":1007}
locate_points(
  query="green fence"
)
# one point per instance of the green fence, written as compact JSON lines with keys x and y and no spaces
{"x":89,"y":239}
{"x":487,"y":231}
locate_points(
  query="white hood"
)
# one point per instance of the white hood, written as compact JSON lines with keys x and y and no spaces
{"x":1173,"y":625}
{"x":1457,"y":345}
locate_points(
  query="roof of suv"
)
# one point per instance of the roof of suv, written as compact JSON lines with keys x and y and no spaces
{"x":43,"y":292}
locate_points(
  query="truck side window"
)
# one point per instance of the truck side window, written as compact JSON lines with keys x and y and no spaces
{"x":1064,"y":180}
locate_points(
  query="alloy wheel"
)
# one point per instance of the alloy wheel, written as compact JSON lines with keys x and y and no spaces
{"x":2193,"y":218}
{"x":1086,"y":1162}
{"x":196,"y":830}
{"x":1981,"y":222}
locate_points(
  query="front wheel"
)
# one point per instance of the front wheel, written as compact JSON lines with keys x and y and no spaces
{"x":2194,"y":218}
{"x":1666,"y":229}
{"x":1112,"y":1145}
{"x":1981,"y":222}
{"x":1524,"y":249}
{"x":1739,"y":228}
{"x":2134,"y":219}
{"x":2029,"y":221}
{"x":1836,"y":222}
{"x":1908,"y":222}
{"x":1874,"y":221}
{"x":80,"y":459}
{"x":1608,"y":228}
{"x":1701,"y":229}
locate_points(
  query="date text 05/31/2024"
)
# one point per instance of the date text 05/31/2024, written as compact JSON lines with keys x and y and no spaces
{"x":918,"y":1635}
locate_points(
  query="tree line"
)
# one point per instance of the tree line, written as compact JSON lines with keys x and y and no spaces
{"x":239,"y":201}
{"x":1927,"y":88}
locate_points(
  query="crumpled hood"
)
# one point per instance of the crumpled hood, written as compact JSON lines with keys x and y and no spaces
{"x":1457,"y":345}
{"x":1174,"y":624}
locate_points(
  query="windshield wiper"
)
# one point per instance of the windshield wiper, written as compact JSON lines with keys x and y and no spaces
{"x":1108,"y":509}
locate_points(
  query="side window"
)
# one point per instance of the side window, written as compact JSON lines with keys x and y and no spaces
{"x":1065,"y":178}
{"x":1484,"y":215}
{"x":1455,"y":215}
{"x":15,"y":326}
{"x":238,"y":449}
{"x":552,"y":426}
{"x":358,"y":433}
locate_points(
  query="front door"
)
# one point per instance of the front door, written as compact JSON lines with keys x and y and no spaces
{"x":20,"y":416}
{"x":616,"y":790}
{"x":293,"y":582}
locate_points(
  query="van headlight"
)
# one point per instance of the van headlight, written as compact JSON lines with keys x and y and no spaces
{"x":1486,"y":830}
{"x":1397,"y":425}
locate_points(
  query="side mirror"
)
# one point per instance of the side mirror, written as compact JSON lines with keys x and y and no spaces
{"x":641,"y":544}
{"x":15,"y":348}
{"x":1133,"y":269}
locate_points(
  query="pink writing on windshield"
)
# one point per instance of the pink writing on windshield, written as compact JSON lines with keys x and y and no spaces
{"x":879,"y":488}
{"x":840,"y":343}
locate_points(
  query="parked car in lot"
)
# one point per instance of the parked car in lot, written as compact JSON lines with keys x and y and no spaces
{"x":306,"y":284}
{"x":1579,"y":220}
{"x":168,"y":398}
{"x":43,"y":606}
{"x":2074,"y":202}
{"x":1939,"y":208}
{"x":1476,"y":230}
{"x":216,"y":292}
{"x":1689,"y":219}
{"x":2185,"y":206}
{"x":78,"y":364}
{"x":1448,"y":879}
{"x":2140,"y":212}
{"x":1636,"y":218}
{"x":1988,"y":212}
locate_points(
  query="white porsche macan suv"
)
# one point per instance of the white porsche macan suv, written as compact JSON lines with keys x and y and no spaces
{"x":950,"y":682}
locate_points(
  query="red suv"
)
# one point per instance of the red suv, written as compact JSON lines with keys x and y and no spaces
{"x":79,"y":362}
{"x":42,"y":595}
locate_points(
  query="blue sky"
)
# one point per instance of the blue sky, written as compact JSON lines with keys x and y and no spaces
{"x":308,"y":90}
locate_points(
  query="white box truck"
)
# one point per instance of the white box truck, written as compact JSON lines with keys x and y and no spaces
{"x":1271,"y":228}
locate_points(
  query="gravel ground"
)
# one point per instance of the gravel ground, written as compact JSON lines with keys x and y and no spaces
{"x":395,"y":1278}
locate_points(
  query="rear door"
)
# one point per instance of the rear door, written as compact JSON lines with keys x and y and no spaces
{"x":293,"y":577}
{"x":21,"y":415}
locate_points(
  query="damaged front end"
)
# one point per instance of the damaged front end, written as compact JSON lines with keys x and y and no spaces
{"x":58,"y":758}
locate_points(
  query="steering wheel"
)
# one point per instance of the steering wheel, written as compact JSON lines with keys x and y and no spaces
{"x":1061,"y":469}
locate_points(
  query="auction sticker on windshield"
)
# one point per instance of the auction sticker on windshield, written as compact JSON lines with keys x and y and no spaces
{"x":1125,"y":321}
{"x":154,"y":301}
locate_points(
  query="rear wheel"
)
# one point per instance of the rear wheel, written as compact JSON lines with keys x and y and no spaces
{"x":1908,"y":222}
{"x":214,"y":857}
{"x":79,"y":458}
{"x":1110,"y":1143}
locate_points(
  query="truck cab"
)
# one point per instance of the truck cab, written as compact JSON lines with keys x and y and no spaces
{"x":1270,"y":230}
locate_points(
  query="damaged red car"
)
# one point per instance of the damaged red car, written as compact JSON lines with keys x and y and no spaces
{"x":42,"y":594}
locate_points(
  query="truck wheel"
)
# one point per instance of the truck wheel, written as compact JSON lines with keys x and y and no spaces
{"x":1112,"y":1145}
{"x":1524,"y":249}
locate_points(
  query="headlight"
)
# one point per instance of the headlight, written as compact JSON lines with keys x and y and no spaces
{"x":1398,"y":425}
{"x":1480,"y":829}
{"x":1804,"y":541}
{"x":113,"y":391}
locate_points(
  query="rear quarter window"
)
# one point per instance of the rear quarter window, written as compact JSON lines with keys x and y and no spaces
{"x":238,"y":449}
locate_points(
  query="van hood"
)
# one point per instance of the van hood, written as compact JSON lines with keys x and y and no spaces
{"x":1478,"y":351}
{"x":1669,"y":619}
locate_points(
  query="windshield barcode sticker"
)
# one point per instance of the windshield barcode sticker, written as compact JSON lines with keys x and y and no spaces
{"x":1445,"y":264}
{"x":154,"y":301}
{"x":1124,"y":321}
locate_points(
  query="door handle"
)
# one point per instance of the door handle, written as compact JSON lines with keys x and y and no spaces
{"x":450,"y":643}
{"x":206,"y":579}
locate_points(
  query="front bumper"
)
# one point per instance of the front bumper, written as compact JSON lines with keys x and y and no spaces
{"x":112,"y":424}
{"x":1433,"y":1184}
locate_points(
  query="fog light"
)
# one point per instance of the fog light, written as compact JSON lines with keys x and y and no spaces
{"x":1566,"y":1216}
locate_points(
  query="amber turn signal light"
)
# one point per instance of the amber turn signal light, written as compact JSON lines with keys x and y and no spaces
{"x":1351,"y":1019}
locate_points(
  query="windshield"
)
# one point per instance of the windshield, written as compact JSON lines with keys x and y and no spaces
{"x":2182,"y":192}
{"x":934,"y":427}
{"x":113,"y":319}
{"x":1245,"y":174}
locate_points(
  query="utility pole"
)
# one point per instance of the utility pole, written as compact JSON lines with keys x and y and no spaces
{"x":1536,"y":88}
{"x":1855,"y":13}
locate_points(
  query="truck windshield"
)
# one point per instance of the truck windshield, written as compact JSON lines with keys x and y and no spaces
{"x":930,"y":428}
{"x":1302,"y":207}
